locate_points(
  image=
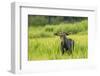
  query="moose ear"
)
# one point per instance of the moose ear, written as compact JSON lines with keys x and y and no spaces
{"x":56,"y":34}
{"x":66,"y":33}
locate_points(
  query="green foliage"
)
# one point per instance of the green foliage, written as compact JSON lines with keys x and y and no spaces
{"x":49,"y":30}
{"x":37,"y":20}
{"x":44,"y":45}
{"x":40,"y":20}
{"x":70,"y":27}
{"x":49,"y":48}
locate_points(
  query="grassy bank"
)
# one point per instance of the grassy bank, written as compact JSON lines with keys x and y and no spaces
{"x":44,"y":45}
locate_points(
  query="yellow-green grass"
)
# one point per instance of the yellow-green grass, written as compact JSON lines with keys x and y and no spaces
{"x":49,"y":48}
{"x":49,"y":30}
{"x":44,"y":45}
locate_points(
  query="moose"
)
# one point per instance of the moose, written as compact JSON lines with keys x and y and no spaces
{"x":67,"y":44}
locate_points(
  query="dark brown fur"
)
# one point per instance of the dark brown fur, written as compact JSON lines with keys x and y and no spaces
{"x":66,"y":43}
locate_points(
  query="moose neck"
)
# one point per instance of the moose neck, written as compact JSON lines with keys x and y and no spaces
{"x":64,"y":38}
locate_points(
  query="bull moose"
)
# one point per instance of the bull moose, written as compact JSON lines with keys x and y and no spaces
{"x":67,"y":44}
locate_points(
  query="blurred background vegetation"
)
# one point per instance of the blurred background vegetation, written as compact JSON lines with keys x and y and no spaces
{"x":36,"y":20}
{"x":46,"y":26}
{"x":44,"y":45}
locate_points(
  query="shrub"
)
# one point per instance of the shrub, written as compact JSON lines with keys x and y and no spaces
{"x":48,"y":30}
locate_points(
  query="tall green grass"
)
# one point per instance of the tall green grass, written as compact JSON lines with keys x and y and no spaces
{"x":49,"y":48}
{"x":44,"y":45}
{"x":49,"y":30}
{"x":69,"y":27}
